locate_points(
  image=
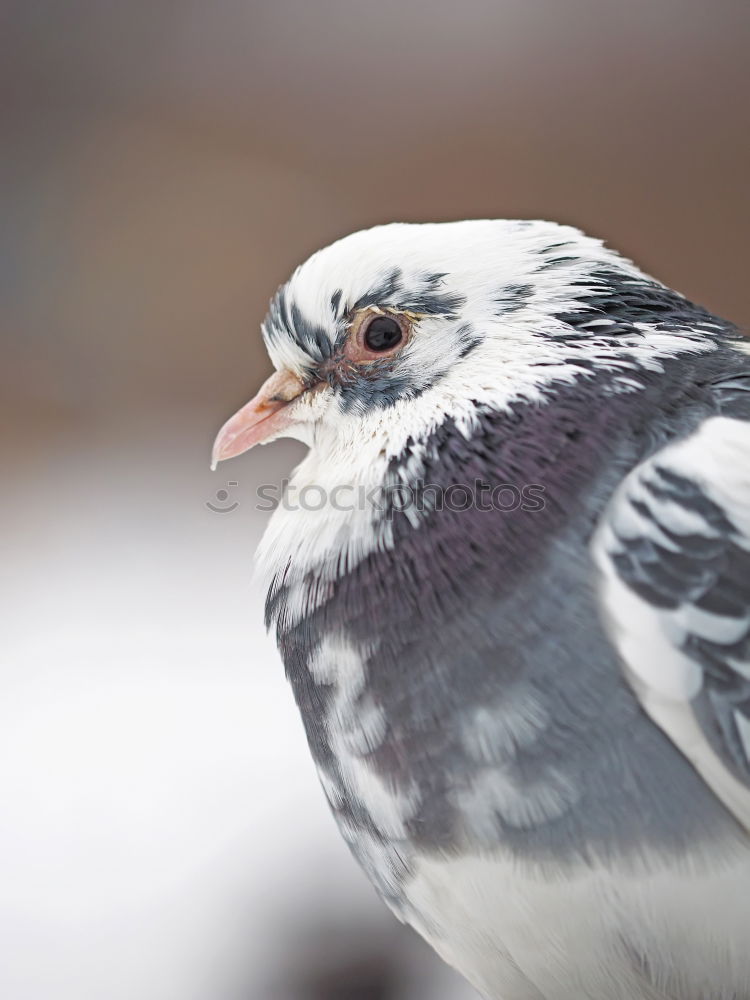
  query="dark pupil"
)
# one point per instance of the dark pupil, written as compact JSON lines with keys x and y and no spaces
{"x":382,"y":334}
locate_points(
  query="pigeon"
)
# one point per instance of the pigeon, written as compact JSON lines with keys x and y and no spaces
{"x":510,"y":584}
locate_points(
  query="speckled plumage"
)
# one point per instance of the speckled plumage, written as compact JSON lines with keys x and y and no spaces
{"x":468,"y":696}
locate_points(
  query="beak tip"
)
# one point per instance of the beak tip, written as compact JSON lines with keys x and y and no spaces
{"x":218,"y":453}
{"x":219,"y":449}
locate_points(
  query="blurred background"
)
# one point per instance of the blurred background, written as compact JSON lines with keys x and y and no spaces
{"x":163,"y":167}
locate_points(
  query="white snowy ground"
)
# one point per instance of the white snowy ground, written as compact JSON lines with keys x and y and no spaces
{"x":162,"y":832}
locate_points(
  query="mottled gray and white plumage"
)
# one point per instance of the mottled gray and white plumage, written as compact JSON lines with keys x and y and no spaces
{"x":531,"y":719}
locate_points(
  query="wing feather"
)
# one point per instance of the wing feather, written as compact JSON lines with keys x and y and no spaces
{"x":673,"y":551}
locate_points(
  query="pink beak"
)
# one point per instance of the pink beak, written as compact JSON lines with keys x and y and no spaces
{"x":260,"y":419}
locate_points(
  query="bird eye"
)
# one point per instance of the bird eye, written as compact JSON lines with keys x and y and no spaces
{"x":376,"y":334}
{"x":382,"y":333}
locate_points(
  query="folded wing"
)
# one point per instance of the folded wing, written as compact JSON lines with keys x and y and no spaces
{"x":673,"y":550}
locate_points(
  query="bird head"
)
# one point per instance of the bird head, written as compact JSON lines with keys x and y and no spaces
{"x":381,"y":337}
{"x":378,"y":337}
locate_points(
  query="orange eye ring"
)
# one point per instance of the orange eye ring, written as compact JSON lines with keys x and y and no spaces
{"x":377,"y":333}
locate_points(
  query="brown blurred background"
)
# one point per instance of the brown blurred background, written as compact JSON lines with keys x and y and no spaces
{"x":163,"y":167}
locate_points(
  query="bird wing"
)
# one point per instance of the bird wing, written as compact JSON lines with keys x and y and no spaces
{"x":673,"y":551}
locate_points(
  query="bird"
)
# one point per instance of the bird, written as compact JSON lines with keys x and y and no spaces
{"x":511,"y":592}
